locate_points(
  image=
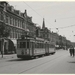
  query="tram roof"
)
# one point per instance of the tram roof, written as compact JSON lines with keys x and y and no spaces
{"x":39,"y":39}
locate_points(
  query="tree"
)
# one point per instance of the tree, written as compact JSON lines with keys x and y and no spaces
{"x":4,"y":33}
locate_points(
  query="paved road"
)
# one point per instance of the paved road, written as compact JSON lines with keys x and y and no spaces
{"x":59,"y":63}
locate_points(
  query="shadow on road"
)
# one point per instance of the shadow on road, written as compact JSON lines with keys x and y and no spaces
{"x":71,"y":62}
{"x":26,"y":59}
{"x":19,"y":59}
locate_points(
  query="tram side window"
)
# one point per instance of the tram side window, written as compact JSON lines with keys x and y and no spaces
{"x":22,"y":44}
{"x":18,"y":45}
{"x":43,"y":45}
{"x":27,"y":44}
{"x":40,"y":45}
{"x":37,"y":45}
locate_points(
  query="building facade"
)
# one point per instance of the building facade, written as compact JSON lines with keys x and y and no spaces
{"x":20,"y":24}
{"x":16,"y":21}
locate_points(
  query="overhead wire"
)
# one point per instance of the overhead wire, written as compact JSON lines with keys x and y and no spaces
{"x":57,"y":28}
{"x":36,"y":12}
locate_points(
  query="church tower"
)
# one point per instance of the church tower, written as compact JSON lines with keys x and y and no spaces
{"x":43,"y":25}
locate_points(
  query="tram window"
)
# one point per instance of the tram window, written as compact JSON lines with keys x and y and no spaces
{"x":18,"y":45}
{"x":43,"y":45}
{"x":40,"y":45}
{"x":22,"y":44}
{"x":37,"y":45}
{"x":27,"y":44}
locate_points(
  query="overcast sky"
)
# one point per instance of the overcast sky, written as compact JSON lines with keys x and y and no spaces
{"x":63,"y":12}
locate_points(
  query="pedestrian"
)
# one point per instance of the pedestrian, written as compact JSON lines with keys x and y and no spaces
{"x":71,"y":50}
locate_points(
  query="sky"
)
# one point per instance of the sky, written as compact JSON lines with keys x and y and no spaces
{"x":59,"y":16}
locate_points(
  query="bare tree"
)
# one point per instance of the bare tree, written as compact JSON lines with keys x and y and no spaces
{"x":4,"y":33}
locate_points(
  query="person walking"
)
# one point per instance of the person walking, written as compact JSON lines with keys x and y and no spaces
{"x":71,"y":50}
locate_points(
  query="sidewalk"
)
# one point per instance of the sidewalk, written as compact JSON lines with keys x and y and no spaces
{"x":9,"y":56}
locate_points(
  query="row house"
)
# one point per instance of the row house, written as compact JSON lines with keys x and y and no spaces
{"x":14,"y":20}
{"x":19,"y":23}
{"x":38,"y":32}
{"x":30,"y":26}
{"x":1,"y":19}
{"x":54,"y":38}
{"x":44,"y":31}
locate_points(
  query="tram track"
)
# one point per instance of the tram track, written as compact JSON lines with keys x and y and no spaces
{"x":27,"y":62}
{"x":12,"y":63}
{"x":56,"y":58}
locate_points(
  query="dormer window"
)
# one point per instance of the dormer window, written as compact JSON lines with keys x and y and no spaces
{"x":12,"y":8}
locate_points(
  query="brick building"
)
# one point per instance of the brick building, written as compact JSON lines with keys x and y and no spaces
{"x":19,"y":23}
{"x":1,"y":19}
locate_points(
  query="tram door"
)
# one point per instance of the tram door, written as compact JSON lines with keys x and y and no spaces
{"x":32,"y":47}
{"x":46,"y":48}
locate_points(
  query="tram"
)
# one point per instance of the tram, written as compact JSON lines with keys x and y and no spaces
{"x":31,"y":47}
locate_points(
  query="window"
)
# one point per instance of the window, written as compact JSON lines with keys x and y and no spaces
{"x":22,"y":44}
{"x":11,"y":35}
{"x":27,"y":44}
{"x":18,"y":44}
{"x":18,"y":23}
{"x":21,"y":24}
{"x":15,"y":22}
{"x":6,"y":19}
{"x":1,"y":15}
{"x":10,"y":20}
{"x":15,"y":35}
{"x":37,"y":45}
